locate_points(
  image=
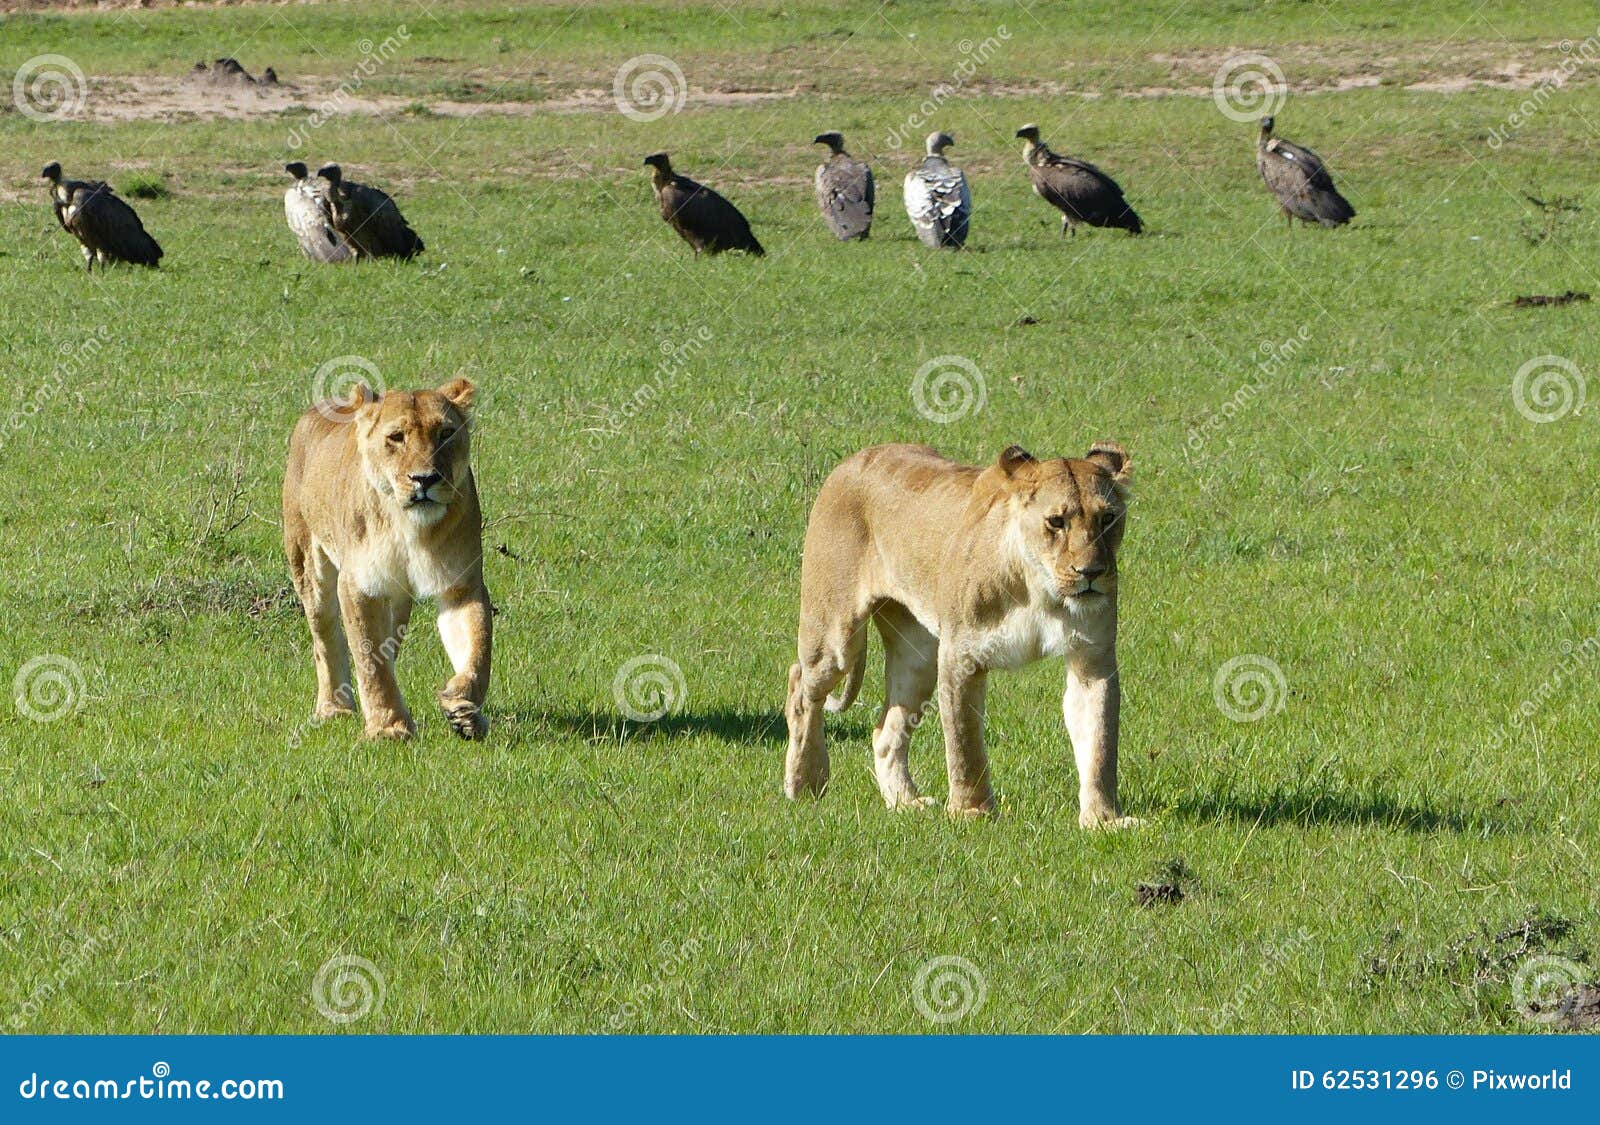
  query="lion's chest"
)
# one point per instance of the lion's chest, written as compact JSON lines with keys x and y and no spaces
{"x":1026,"y":634}
{"x":399,"y":567}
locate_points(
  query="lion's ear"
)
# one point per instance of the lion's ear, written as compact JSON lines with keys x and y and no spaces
{"x":360,"y":395}
{"x":461,"y":392}
{"x":1012,"y":458}
{"x":1112,"y":458}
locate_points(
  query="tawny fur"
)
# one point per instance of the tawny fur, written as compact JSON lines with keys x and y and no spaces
{"x":964,"y":570}
{"x":379,"y":509}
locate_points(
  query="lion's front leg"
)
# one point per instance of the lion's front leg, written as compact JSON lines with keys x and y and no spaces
{"x":962,"y":692}
{"x":367,"y":621}
{"x":466,"y":626}
{"x":1092,"y":706}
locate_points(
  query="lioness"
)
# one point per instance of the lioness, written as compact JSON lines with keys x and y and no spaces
{"x":380,"y":508}
{"x":964,"y":569}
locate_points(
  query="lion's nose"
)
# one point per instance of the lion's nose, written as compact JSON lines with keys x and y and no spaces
{"x":1091,"y":572}
{"x":425,"y":481}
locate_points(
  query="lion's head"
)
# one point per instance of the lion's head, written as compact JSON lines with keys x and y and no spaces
{"x":415,"y":445}
{"x":1068,"y":516}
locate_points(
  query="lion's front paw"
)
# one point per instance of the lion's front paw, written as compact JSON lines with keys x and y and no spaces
{"x":326,"y":711}
{"x":466,"y":717}
{"x":397,"y":729}
{"x":901,"y":804}
{"x":1108,"y":823}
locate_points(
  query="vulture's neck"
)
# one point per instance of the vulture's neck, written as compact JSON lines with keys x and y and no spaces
{"x":661,"y":177}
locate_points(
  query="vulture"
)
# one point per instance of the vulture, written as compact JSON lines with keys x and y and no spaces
{"x":1076,"y":188}
{"x":937,"y":198}
{"x":310,"y":216}
{"x":367,"y":219}
{"x":1300,"y":180}
{"x":705,"y":220}
{"x":844,"y":190}
{"x":106,"y":227}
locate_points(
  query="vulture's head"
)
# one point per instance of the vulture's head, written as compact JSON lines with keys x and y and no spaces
{"x":1266,"y":125}
{"x":658,"y":160}
{"x":938,"y":142}
{"x":833,"y":139}
{"x":1029,"y":132}
{"x":52,"y":172}
{"x":296,"y":168}
{"x":332,"y":173}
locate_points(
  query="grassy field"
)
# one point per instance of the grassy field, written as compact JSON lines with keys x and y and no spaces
{"x":1333,"y":476}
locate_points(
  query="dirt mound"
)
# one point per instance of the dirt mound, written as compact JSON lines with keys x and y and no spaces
{"x":227,"y":73}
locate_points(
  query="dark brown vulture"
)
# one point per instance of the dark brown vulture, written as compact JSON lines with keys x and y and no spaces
{"x":367,"y":219}
{"x":106,"y":227}
{"x":844,"y":190}
{"x":310,"y":214}
{"x":1076,"y":188}
{"x":705,"y":220}
{"x":1300,"y":180}
{"x":937,"y":197}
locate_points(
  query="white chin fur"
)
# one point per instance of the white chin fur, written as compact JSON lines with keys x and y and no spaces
{"x":425,"y":515}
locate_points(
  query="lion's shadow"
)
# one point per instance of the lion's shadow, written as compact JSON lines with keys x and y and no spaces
{"x":1373,"y":808}
{"x":726,"y":724}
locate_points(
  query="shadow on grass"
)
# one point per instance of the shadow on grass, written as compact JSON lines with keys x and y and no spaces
{"x":1317,"y":807}
{"x":723,"y":724}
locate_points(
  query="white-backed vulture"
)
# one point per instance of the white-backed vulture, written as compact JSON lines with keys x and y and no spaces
{"x":937,"y":197}
{"x":105,"y":226}
{"x":310,"y":215}
{"x":844,"y":190}
{"x":368,"y":219}
{"x":1076,"y":188}
{"x":1300,"y":180}
{"x":706,"y":221}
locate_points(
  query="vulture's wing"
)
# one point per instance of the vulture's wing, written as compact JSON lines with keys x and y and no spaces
{"x":1300,"y":180}
{"x":844,"y":192}
{"x":310,"y":216}
{"x":939,"y":202}
{"x":1082,"y":190}
{"x":370,"y":220}
{"x":106,"y":224}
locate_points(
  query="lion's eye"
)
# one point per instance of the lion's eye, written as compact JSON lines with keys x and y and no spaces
{"x":397,"y":436}
{"x":1055,"y":523}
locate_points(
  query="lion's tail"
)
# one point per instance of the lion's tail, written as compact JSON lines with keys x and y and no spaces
{"x":857,"y":672}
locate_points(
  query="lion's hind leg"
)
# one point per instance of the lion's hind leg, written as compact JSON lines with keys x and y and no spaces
{"x":826,"y":654}
{"x":911,"y":672}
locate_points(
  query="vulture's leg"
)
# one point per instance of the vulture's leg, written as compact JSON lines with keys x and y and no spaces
{"x":88,"y":259}
{"x":1066,"y":226}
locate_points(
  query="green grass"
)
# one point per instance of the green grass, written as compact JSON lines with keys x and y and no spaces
{"x":1376,"y":518}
